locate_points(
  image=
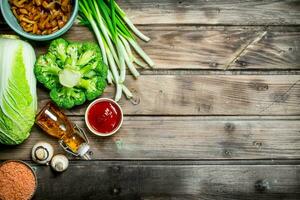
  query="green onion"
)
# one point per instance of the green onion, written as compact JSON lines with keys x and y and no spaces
{"x":115,"y":34}
{"x":130,"y":24}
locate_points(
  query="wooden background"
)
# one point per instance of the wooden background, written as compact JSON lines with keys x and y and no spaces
{"x":198,"y":131}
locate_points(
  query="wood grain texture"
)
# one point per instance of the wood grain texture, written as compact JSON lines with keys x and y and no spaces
{"x":194,"y":47}
{"x":228,"y":12}
{"x":206,"y":95}
{"x":233,"y":12}
{"x":136,"y":180}
{"x":179,"y":113}
{"x":197,"y":138}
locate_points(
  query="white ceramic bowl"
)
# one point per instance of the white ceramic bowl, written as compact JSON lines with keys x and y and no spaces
{"x":91,"y":128}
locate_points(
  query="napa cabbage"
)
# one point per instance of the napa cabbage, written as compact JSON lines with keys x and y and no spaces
{"x":18,"y":99}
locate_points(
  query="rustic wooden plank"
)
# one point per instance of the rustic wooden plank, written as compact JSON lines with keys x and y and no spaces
{"x":127,"y":180}
{"x":185,"y":138}
{"x":231,"y":12}
{"x":193,"y":47}
{"x":206,"y":95}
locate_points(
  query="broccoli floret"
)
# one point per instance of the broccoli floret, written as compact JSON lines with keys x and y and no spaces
{"x":93,"y":87}
{"x":91,"y":51}
{"x":46,"y":71}
{"x":94,"y":68}
{"x":67,"y":97}
{"x":89,"y":67}
{"x":90,"y":74}
{"x":58,"y":48}
{"x":102,"y":70}
{"x":73,"y":52}
{"x":73,"y":72}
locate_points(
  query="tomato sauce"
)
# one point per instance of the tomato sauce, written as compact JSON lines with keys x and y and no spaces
{"x":104,"y":117}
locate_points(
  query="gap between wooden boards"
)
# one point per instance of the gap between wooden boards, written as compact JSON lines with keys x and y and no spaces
{"x":205,"y":95}
{"x":211,"y":48}
{"x":185,"y":138}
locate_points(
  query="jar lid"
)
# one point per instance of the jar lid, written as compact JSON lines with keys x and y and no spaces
{"x":83,"y":151}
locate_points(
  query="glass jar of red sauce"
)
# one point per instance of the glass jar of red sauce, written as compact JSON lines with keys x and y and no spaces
{"x":104,"y":117}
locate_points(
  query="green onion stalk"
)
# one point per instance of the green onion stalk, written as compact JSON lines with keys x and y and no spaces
{"x":115,"y":34}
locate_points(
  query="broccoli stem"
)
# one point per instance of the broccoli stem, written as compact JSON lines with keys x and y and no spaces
{"x":67,"y":91}
{"x":69,"y":78}
{"x":88,"y":68}
{"x":85,"y":58}
{"x":53,"y":69}
{"x":83,"y":83}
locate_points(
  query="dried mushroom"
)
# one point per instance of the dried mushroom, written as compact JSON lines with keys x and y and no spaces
{"x":41,"y":17}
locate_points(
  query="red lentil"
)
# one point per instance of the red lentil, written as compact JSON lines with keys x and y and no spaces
{"x":17,"y":181}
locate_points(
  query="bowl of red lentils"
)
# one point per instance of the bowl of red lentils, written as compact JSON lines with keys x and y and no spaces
{"x":39,"y":20}
{"x":17,"y":180}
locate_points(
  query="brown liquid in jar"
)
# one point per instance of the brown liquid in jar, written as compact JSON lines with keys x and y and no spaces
{"x":55,"y":123}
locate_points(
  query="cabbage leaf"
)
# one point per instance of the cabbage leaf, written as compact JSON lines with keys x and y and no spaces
{"x":18,"y":99}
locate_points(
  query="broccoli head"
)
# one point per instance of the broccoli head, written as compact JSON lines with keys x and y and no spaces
{"x":67,"y":97}
{"x":74,"y":72}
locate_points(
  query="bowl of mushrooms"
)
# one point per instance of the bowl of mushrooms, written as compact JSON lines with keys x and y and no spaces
{"x":39,"y":20}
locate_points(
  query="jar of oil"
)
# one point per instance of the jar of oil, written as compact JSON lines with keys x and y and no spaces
{"x":72,"y":138}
